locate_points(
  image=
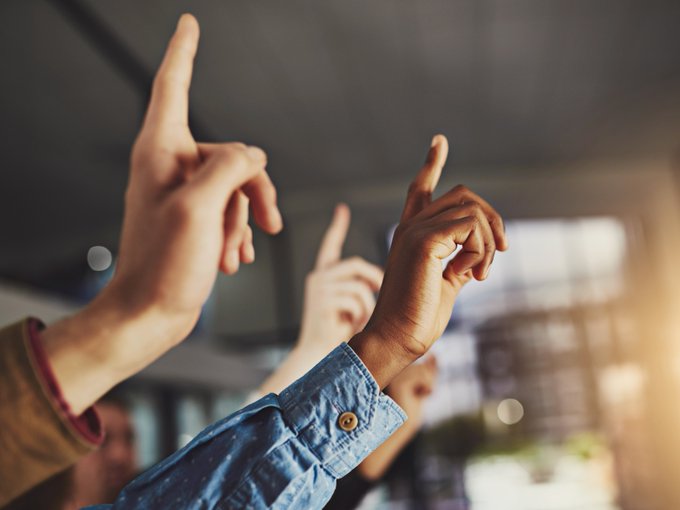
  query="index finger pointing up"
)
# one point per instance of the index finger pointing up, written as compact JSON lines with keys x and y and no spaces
{"x":169,"y":103}
{"x":421,"y":189}
{"x":331,"y":245}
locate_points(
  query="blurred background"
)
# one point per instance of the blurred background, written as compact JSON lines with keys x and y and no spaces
{"x":559,"y":376}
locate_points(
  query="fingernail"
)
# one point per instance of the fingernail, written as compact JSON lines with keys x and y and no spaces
{"x":233,"y":260}
{"x":434,"y":141}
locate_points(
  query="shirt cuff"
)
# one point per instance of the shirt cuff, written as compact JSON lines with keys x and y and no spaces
{"x":87,"y":426}
{"x":340,"y":384}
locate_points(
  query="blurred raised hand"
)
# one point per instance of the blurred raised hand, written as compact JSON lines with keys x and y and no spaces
{"x":339,"y":293}
{"x":339,"y":299}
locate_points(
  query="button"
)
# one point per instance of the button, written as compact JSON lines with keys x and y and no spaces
{"x":348,"y":421}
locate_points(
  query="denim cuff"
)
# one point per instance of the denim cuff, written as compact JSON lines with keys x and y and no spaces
{"x":340,"y":384}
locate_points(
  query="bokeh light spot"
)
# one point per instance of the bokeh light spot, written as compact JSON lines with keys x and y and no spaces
{"x":99,"y":258}
{"x":510,"y":411}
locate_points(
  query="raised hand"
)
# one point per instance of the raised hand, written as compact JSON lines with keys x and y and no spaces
{"x":338,"y":302}
{"x":186,"y":217}
{"x":417,"y":296}
{"x":339,"y":293}
{"x":187,"y":203}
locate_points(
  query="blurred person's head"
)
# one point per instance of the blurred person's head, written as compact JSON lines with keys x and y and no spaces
{"x":100,"y":476}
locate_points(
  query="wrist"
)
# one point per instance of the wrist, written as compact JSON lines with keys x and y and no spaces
{"x":103,"y":344}
{"x":384,"y":358}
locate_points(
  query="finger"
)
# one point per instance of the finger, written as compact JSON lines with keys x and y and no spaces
{"x":421,"y":189}
{"x":441,"y":240}
{"x":235,"y":224}
{"x":247,"y":250}
{"x":459,"y":195}
{"x":349,"y":305}
{"x":471,"y":256}
{"x":476,"y":210}
{"x":169,"y":105}
{"x":457,"y":280}
{"x":358,"y":290}
{"x":358,"y":268}
{"x":262,"y":194}
{"x":331,"y":245}
{"x":260,"y":190}
{"x":228,"y":167}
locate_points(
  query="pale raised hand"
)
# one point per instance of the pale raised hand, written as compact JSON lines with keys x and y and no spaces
{"x":339,"y":299}
{"x":339,"y":293}
{"x":186,"y":217}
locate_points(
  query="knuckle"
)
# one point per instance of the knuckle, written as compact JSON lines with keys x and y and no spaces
{"x":476,"y":206}
{"x":228,"y":155}
{"x":461,"y":188}
{"x":237,"y":146}
{"x":472,"y":222}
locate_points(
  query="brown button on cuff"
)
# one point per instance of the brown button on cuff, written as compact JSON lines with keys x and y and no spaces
{"x":348,"y":421}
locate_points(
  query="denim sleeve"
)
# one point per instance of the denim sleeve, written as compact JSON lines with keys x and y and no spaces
{"x":281,"y":452}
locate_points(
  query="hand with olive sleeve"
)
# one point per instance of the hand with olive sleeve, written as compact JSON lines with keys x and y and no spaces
{"x":186,"y":218}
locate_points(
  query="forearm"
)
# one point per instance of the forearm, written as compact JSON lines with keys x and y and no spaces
{"x":102,"y":345}
{"x":282,"y":451}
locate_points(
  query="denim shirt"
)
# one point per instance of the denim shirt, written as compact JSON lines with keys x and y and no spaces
{"x":282,"y":452}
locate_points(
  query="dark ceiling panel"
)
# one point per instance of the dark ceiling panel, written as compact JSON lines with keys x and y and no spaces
{"x":339,"y":92}
{"x":68,"y":122}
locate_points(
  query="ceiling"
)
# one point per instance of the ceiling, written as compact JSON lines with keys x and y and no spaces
{"x":341,"y":93}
